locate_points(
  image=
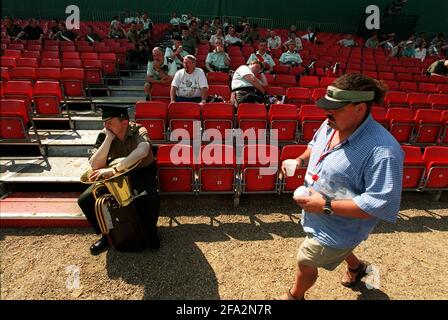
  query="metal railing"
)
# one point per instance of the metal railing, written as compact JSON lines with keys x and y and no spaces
{"x":327,"y":26}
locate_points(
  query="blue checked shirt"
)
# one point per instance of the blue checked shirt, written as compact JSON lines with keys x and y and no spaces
{"x":369,"y":166}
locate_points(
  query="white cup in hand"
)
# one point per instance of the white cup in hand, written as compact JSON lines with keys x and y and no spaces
{"x":301,"y":191}
{"x":290,"y":166}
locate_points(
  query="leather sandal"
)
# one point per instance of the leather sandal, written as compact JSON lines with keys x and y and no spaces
{"x":290,"y":297}
{"x":360,"y":272}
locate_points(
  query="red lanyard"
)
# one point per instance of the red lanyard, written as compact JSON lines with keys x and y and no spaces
{"x":327,"y":147}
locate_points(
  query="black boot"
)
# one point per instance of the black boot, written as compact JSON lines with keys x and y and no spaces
{"x":101,"y":245}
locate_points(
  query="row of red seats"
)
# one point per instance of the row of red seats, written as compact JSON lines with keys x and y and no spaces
{"x":426,"y":126}
{"x":219,"y":170}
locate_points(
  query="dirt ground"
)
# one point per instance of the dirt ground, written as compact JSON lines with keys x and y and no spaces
{"x":210,"y":250}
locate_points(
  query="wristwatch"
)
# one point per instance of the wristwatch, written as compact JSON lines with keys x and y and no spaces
{"x":327,"y":207}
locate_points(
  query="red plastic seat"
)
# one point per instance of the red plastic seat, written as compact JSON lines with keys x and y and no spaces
{"x":428,"y":88}
{"x":218,"y":78}
{"x":5,"y":74}
{"x":413,"y":168}
{"x":47,"y":97}
{"x":153,"y":116}
{"x":327,"y":81}
{"x":311,"y":118}
{"x":50,"y":55}
{"x":276,"y":91}
{"x":317,"y":94}
{"x":401,"y":123}
{"x":309,"y":82}
{"x":417,"y":100}
{"x":15,"y":120}
{"x":436,"y":160}
{"x":260,"y":169}
{"x":386,"y":75}
{"x":217,"y":170}
{"x":109,"y":63}
{"x":93,"y":71}
{"x":184,"y":120}
{"x":71,"y":55}
{"x":404,"y":77}
{"x":160,"y":93}
{"x":48,"y":74}
{"x":395,"y":99}
{"x":12,"y":53}
{"x":217,"y":116}
{"x":31,"y":54}
{"x":286,"y":80}
{"x":443,"y":88}
{"x":427,"y":126}
{"x":89,"y":56}
{"x":298,"y":96}
{"x":220,"y":90}
{"x":175,"y":169}
{"x":71,"y":63}
{"x":444,"y":133}
{"x":8,"y":62}
{"x":283,"y":118}
{"x":438,"y":101}
{"x":252,"y":120}
{"x":73,"y":82}
{"x":290,"y":184}
{"x":408,"y":86}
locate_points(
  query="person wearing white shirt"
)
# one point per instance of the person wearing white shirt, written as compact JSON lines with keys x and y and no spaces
{"x":232,"y":40}
{"x":274,"y":41}
{"x":189,"y":84}
{"x":421,"y":51}
{"x":348,"y":42}
{"x":310,"y":36}
{"x":248,"y":83}
{"x":176,"y":52}
{"x":217,"y":35}
{"x":293,"y":38}
{"x":291,"y":57}
{"x":160,"y":70}
{"x":218,"y":60}
{"x":263,"y":56}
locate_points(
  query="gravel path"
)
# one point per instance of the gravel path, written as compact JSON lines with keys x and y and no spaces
{"x":211,"y":250}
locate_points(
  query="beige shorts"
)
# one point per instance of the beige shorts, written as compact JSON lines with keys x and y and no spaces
{"x":312,"y":253}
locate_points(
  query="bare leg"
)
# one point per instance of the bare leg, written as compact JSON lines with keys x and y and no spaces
{"x":305,"y":278}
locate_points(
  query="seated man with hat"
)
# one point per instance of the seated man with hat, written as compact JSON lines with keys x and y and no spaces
{"x":130,"y":141}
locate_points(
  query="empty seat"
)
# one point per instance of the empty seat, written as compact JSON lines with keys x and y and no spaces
{"x":217,"y":116}
{"x":286,"y":80}
{"x":395,"y":99}
{"x":276,"y":91}
{"x":72,"y":63}
{"x":218,"y":78}
{"x":260,"y":169}
{"x":19,"y":90}
{"x":413,"y":168}
{"x":417,"y":100}
{"x":73,"y":82}
{"x":438,"y":101}
{"x":309,"y":82}
{"x":8,"y":62}
{"x":217,"y":170}
{"x":93,"y":71}
{"x":401,"y":123}
{"x":386,"y":75}
{"x":160,"y":93}
{"x":283,"y":118}
{"x":109,"y":63}
{"x":47,"y":97}
{"x":292,"y":183}
{"x":252,"y":120}
{"x":31,"y":54}
{"x":444,"y":133}
{"x":219,"y":90}
{"x":48,"y":74}
{"x":89,"y":56}
{"x":317,"y":94}
{"x":175,"y":169}
{"x":436,"y":160}
{"x":50,"y":55}
{"x":311,"y":118}
{"x":327,"y":81}
{"x":27,"y":62}
{"x":428,"y":88}
{"x":15,"y":120}
{"x":184,"y":121}
{"x":427,"y":126}
{"x":5,"y":74}
{"x":408,"y":86}
{"x":153,"y":116}
{"x":298,"y":96}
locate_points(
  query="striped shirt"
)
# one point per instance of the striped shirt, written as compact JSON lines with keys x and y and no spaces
{"x":369,"y":166}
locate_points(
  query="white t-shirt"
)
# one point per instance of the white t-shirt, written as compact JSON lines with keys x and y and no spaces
{"x":189,"y":85}
{"x":238,"y":80}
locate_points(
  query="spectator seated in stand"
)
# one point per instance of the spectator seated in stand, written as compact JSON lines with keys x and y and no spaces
{"x":218,"y":60}
{"x":161,"y":70}
{"x":293,"y":38}
{"x":232,"y":39}
{"x":263,"y":56}
{"x":438,"y":68}
{"x":348,"y":41}
{"x":176,"y":52}
{"x":291,"y":57}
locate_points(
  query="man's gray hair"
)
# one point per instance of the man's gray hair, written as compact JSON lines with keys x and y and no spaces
{"x":190,"y":57}
{"x":158,"y":49}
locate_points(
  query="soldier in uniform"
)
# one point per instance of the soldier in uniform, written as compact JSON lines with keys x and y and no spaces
{"x":123,"y":139}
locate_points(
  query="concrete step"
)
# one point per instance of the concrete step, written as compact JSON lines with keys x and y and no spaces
{"x":131,"y":100}
{"x":134,"y":74}
{"x":126,"y":82}
{"x":125,"y":91}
